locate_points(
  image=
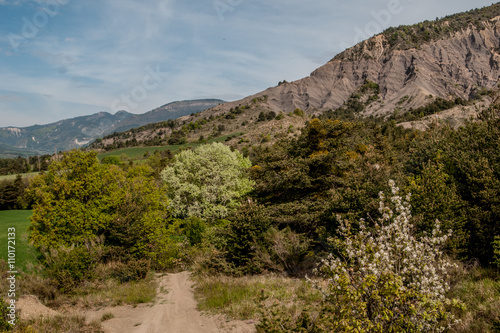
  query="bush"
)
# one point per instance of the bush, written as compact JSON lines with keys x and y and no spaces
{"x":388,"y":280}
{"x":67,"y":267}
{"x":286,"y":251}
{"x":194,"y":230}
{"x":246,"y":232}
{"x":132,"y":270}
{"x":298,"y":112}
{"x":496,"y":250}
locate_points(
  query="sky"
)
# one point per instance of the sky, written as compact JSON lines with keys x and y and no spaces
{"x":61,"y":59}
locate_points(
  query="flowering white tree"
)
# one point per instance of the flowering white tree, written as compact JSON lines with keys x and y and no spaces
{"x":387,"y":280}
{"x":207,"y":182}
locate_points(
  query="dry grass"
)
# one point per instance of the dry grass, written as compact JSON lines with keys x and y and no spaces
{"x":113,"y":293}
{"x":243,"y":297}
{"x":479,"y":289}
{"x":108,"y":292}
{"x":58,"y":324}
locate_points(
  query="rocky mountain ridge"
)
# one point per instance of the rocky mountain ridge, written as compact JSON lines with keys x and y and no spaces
{"x":458,"y":64}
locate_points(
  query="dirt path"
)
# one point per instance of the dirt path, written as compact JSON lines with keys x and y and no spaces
{"x":173,"y":311}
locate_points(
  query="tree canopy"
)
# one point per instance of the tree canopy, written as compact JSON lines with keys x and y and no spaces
{"x":207,"y":182}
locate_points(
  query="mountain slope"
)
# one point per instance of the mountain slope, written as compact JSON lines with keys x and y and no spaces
{"x":459,"y":61}
{"x":447,"y":65}
{"x":165,"y":112}
{"x":77,"y":132}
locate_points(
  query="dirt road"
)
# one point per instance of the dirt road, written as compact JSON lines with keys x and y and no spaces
{"x":174,"y":311}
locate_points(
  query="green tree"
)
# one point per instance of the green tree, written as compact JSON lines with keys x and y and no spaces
{"x":73,"y":201}
{"x":139,"y":219}
{"x":434,"y":197}
{"x":207,"y":182}
{"x":86,"y":213}
{"x":472,"y":158}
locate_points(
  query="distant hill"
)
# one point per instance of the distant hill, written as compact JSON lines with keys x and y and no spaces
{"x":7,"y":151}
{"x":77,"y":132}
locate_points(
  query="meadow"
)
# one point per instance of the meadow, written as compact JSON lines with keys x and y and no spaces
{"x":12,"y":177}
{"x":138,"y":153}
{"x":18,"y":219}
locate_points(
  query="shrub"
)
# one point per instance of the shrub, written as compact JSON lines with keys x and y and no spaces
{"x":298,"y":112}
{"x":246,"y":231}
{"x":388,"y":280}
{"x":496,"y":250}
{"x":67,"y":267}
{"x":194,"y":230}
{"x":71,"y":200}
{"x":286,"y":251}
{"x":133,"y":270}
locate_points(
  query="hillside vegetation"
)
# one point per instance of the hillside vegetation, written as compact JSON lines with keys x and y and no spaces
{"x":337,"y":219}
{"x":306,"y":200}
{"x":407,"y":37}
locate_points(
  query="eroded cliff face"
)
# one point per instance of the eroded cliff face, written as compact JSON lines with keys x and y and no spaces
{"x":458,"y":65}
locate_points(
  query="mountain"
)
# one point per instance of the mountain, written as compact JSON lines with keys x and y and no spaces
{"x":77,"y":132}
{"x":165,"y":112}
{"x":435,"y":70}
{"x":454,"y":57}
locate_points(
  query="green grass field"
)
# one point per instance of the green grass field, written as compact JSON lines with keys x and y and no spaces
{"x":138,"y":152}
{"x":24,"y":175}
{"x":18,"y":219}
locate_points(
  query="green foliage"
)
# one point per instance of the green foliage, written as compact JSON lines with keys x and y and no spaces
{"x":472,"y":159}
{"x":72,"y":201}
{"x":19,"y":165}
{"x":437,"y":105}
{"x":11,"y":193}
{"x":246,"y":231}
{"x":387,"y":280}
{"x":304,"y":183}
{"x":434,"y":197}
{"x":177,"y":138}
{"x":496,"y":251}
{"x":298,"y":112}
{"x":194,"y":230}
{"x":263,"y":116}
{"x":88,"y":213}
{"x":139,"y":229}
{"x":207,"y":182}
{"x":111,"y":160}
{"x":67,"y":267}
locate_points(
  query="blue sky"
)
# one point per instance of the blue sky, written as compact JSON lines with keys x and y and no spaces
{"x":66,"y":58}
